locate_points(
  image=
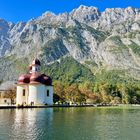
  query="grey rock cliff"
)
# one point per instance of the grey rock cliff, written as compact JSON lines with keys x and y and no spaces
{"x":110,"y":39}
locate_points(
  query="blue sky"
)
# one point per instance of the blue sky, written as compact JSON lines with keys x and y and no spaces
{"x":23,"y":10}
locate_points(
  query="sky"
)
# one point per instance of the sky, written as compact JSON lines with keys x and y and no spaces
{"x":24,"y":10}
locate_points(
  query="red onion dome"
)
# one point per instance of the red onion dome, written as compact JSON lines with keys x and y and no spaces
{"x":36,"y":62}
{"x":35,"y":77}
{"x":24,"y":79}
{"x":46,"y":80}
{"x":40,"y":78}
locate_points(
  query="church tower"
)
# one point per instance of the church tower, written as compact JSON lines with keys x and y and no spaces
{"x":35,"y":65}
{"x":34,"y":88}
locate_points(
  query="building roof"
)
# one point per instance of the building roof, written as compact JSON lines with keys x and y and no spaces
{"x":34,"y":77}
{"x":7,"y":85}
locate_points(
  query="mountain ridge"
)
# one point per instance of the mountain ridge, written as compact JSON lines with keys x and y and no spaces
{"x":107,"y":40}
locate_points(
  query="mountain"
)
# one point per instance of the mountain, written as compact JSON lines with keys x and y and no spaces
{"x":82,"y":44}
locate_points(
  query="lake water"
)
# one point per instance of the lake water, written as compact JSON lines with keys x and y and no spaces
{"x":87,"y":123}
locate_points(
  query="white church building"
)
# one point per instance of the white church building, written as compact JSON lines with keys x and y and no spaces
{"x":34,"y":88}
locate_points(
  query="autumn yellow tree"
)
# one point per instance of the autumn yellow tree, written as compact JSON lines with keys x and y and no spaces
{"x":11,"y":93}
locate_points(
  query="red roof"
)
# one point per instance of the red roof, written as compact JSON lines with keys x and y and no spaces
{"x":24,"y":78}
{"x":34,"y":78}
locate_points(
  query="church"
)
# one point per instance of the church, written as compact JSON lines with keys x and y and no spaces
{"x":34,"y":88}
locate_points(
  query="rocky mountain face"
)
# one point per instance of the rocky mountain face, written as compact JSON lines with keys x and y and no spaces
{"x":108,"y":40}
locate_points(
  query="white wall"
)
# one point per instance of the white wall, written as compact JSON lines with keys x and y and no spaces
{"x":32,"y":94}
{"x":49,"y":100}
{"x":20,"y":99}
{"x":38,"y":94}
{"x":2,"y":101}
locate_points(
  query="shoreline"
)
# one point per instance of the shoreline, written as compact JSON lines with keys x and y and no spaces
{"x":67,"y":106}
{"x":51,"y":106}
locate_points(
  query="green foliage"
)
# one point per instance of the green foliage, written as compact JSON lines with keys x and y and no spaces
{"x":99,"y":35}
{"x":117,"y":45}
{"x":113,"y":76}
{"x":69,"y":71}
{"x":117,"y":41}
{"x":109,"y":87}
{"x":91,"y":63}
{"x":21,"y":65}
{"x":54,"y":49}
{"x":135,"y":48}
{"x":76,"y":37}
{"x":132,"y":35}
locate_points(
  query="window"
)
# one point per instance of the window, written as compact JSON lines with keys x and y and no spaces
{"x":47,"y":93}
{"x":23,"y":92}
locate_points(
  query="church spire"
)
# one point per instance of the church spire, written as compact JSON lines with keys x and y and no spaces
{"x":35,"y":66}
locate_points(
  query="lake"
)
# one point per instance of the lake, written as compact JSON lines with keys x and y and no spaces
{"x":85,"y":123}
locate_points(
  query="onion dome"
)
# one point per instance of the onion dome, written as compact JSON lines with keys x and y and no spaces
{"x":46,"y":80}
{"x":36,"y":62}
{"x":35,"y":78}
{"x":24,"y":79}
{"x":40,"y":78}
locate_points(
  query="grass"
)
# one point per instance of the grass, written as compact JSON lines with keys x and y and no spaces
{"x":135,"y":48}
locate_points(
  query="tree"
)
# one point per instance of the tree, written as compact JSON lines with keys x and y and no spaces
{"x":11,"y":93}
{"x":71,"y":93}
{"x":59,"y":92}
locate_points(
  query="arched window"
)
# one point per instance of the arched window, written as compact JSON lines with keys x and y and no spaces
{"x":23,"y":92}
{"x":48,"y":92}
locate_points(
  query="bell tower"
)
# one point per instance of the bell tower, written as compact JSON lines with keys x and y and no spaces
{"x":35,"y":66}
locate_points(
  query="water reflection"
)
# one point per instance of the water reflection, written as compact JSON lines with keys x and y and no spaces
{"x":30,"y":123}
{"x":70,"y":124}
